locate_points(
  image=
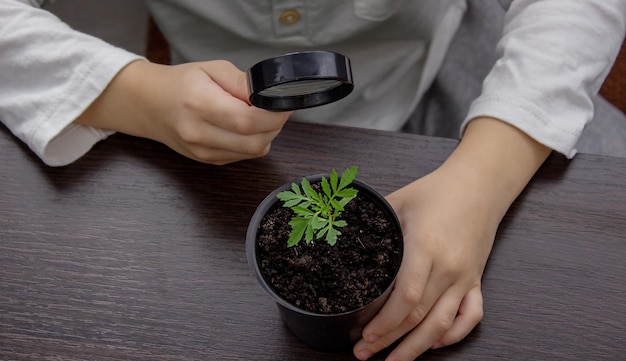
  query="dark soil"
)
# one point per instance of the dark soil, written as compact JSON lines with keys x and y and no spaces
{"x":331,"y":279}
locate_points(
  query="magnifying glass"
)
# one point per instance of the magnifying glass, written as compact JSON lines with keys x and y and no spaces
{"x":300,"y":80}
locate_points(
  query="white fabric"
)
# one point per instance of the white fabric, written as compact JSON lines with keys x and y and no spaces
{"x":553,"y":58}
{"x":49,"y":74}
{"x":396,"y":47}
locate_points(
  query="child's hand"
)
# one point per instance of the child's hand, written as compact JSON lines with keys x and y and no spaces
{"x":449,"y":219}
{"x":437,"y":300}
{"x":198,"y":109}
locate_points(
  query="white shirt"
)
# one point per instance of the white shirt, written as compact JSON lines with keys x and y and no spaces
{"x":553,"y":57}
{"x":395,"y":46}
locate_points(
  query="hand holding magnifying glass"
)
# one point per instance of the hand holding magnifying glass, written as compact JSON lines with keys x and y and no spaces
{"x":300,"y":80}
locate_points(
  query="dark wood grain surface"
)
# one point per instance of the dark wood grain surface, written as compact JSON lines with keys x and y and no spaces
{"x":136,"y":253}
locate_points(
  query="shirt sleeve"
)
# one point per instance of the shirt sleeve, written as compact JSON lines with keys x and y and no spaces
{"x":49,"y":74}
{"x":552,"y":59}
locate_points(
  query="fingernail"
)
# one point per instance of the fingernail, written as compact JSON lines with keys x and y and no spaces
{"x":372,"y":338}
{"x":437,"y":345}
{"x":364,"y":354}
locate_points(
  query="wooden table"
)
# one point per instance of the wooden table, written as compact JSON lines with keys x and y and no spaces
{"x":136,"y":253}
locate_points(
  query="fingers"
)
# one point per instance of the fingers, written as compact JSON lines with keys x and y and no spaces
{"x":212,"y":121}
{"x":451,"y":318}
{"x":414,"y":294}
{"x":217,"y":146}
{"x":407,"y":303}
{"x":217,"y":92}
{"x":246,"y":133}
{"x":469,"y":315}
{"x":221,"y":157}
{"x":438,"y":321}
{"x":224,"y":110}
{"x":247,"y":120}
{"x":423,"y":306}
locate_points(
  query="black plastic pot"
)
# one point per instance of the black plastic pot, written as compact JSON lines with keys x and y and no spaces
{"x":328,"y":332}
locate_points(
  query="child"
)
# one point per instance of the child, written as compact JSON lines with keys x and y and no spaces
{"x":62,"y":91}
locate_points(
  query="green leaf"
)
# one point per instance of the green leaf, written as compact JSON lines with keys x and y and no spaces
{"x":303,"y":212}
{"x":297,"y":222}
{"x":291,"y":203}
{"x":322,"y":232}
{"x":347,"y":177}
{"x":309,"y":191}
{"x":326,"y":187}
{"x":318,"y":223}
{"x":309,"y":233}
{"x":340,"y":223}
{"x":337,"y":205}
{"x":298,"y":226}
{"x":286,"y":195}
{"x":346,"y":201}
{"x":295,"y":193}
{"x":331,"y":236}
{"x":347,"y":193}
{"x":333,"y":180}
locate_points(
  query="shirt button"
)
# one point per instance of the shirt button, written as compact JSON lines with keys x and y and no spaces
{"x":289,"y":17}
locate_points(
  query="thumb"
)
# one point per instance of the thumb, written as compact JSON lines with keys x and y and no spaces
{"x":228,"y":77}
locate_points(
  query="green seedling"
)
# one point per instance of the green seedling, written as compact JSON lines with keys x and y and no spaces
{"x":317,"y":214}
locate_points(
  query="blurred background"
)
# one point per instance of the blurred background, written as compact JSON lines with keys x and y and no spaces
{"x":119,"y":22}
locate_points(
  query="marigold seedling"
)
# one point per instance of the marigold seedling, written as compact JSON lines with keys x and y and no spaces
{"x":317,"y":213}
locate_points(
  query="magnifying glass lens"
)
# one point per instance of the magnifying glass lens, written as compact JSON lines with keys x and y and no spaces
{"x":301,"y":87}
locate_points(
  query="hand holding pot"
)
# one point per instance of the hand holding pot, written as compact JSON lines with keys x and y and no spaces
{"x":200,"y":110}
{"x":447,"y":243}
{"x":449,"y":220}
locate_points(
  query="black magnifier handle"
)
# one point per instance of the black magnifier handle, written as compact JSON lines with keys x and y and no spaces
{"x":300,"y":80}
